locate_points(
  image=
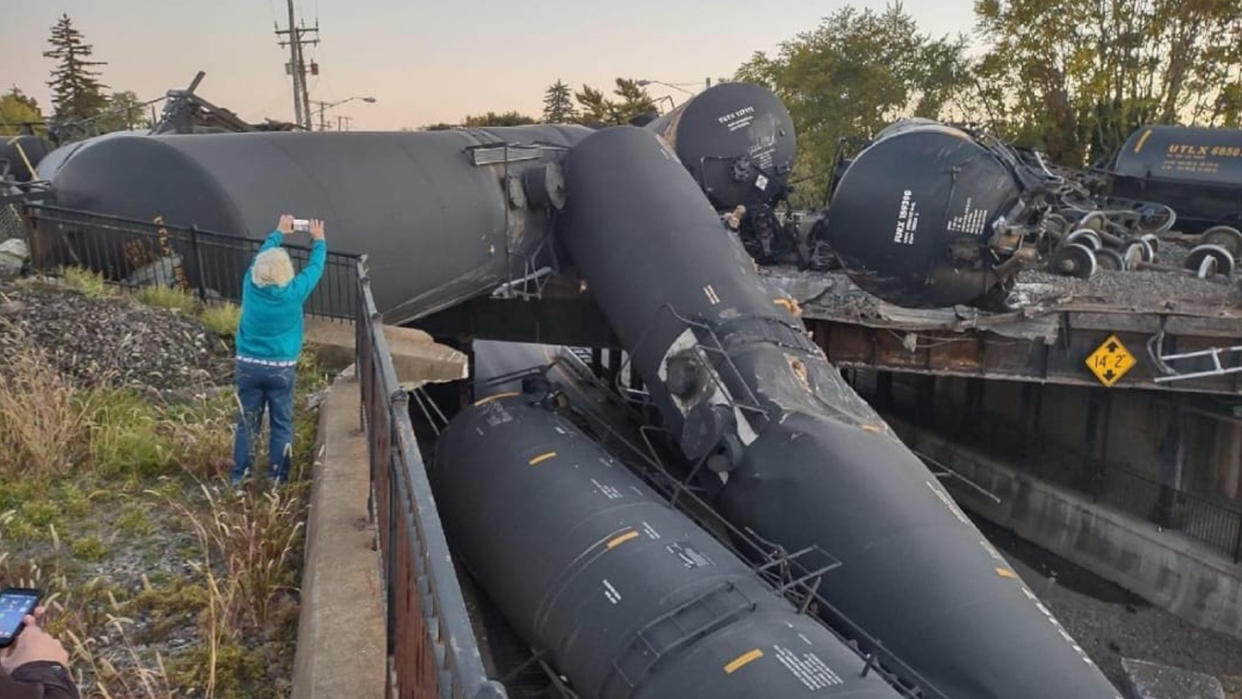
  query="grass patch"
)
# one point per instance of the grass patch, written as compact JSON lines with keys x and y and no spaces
{"x":222,"y":319}
{"x":161,"y":580}
{"x":90,"y":548}
{"x":90,"y":283}
{"x":127,"y":438}
{"x":168,"y":297}
{"x":134,"y":520}
{"x":44,"y":421}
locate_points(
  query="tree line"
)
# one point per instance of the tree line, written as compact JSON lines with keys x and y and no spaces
{"x":1070,"y":77}
{"x":628,"y":102}
{"x":81,"y":102}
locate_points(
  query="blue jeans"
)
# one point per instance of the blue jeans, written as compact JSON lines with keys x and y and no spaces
{"x":260,"y":386}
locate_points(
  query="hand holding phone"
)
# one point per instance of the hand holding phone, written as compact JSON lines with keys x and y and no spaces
{"x":16,"y":603}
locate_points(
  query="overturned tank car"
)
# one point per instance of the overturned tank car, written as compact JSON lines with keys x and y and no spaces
{"x":738,"y":141}
{"x":799,"y":458}
{"x":931,"y":215}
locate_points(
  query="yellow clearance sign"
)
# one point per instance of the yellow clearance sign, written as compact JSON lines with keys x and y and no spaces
{"x":1110,"y":361}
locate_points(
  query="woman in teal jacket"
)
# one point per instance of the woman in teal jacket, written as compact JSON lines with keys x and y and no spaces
{"x":269,"y":339}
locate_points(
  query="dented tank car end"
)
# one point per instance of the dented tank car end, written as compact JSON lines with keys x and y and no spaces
{"x":913,"y":215}
{"x":736,"y":139}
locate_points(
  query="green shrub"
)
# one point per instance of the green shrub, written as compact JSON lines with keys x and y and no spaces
{"x":89,"y":549}
{"x":40,"y":513}
{"x":222,"y":319}
{"x":90,"y":283}
{"x":73,"y":501}
{"x":16,"y":530}
{"x":126,"y":439}
{"x":134,"y":520}
{"x":168,"y":297}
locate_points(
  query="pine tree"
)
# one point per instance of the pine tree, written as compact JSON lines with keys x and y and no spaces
{"x":635,"y":102}
{"x":596,"y":108}
{"x":558,"y":106}
{"x":76,"y":90}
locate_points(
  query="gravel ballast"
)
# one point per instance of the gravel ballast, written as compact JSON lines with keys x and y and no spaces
{"x":115,"y":339}
{"x":1111,"y":623}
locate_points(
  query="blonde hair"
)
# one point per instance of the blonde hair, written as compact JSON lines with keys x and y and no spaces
{"x":272,"y":268}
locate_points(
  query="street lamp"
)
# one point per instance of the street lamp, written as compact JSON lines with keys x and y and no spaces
{"x":324,"y":106}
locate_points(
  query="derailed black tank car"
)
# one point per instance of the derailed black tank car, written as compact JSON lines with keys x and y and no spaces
{"x":738,"y":141}
{"x":1195,"y":170}
{"x":393,"y":196}
{"x":805,"y":460}
{"x":627,"y":595}
{"x":913,"y":214}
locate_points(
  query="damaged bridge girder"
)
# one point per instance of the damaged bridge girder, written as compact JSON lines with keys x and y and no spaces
{"x":1058,"y":359}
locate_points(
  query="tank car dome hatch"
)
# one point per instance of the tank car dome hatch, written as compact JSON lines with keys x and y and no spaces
{"x":1195,"y":170}
{"x":913,"y":214}
{"x":738,"y":141}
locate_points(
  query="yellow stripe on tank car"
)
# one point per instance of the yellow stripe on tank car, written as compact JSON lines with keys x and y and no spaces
{"x":1142,"y":139}
{"x":622,"y":538}
{"x":497,"y":396}
{"x":740,"y":661}
{"x":536,"y":460}
{"x":1006,"y":573}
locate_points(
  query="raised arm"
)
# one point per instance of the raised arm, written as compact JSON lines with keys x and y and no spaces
{"x":305,"y":282}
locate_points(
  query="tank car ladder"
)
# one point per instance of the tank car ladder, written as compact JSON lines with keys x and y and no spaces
{"x":1155,"y":349}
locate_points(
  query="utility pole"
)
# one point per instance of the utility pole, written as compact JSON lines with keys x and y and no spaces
{"x":345,"y":119}
{"x":296,"y":40}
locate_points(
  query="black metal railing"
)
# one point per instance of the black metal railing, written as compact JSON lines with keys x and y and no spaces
{"x":430,"y":638}
{"x":212,"y":265}
{"x":1215,"y":524}
{"x":1208,"y":522}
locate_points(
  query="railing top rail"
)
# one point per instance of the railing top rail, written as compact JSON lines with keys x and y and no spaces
{"x":86,"y":217}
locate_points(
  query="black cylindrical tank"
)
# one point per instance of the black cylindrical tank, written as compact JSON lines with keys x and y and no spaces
{"x":1193,"y":169}
{"x":432,"y":210}
{"x":20,"y":156}
{"x":912,"y":215}
{"x":627,"y":596}
{"x":738,"y":141}
{"x":806,"y":460}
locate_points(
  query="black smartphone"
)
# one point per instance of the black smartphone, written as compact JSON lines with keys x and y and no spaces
{"x":15,"y":604}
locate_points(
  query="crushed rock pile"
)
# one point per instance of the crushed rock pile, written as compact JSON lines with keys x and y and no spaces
{"x":115,"y":340}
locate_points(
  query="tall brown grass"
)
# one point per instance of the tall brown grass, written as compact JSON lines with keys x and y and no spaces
{"x":44,"y":421}
{"x":250,"y":544}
